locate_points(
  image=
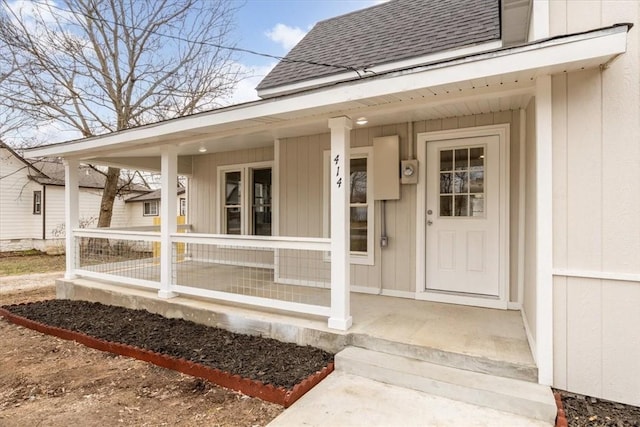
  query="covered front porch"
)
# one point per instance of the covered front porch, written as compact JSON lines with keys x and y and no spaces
{"x":321,"y":244}
{"x":471,"y":338}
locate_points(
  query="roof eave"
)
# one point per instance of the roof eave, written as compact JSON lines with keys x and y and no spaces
{"x":550,"y":56}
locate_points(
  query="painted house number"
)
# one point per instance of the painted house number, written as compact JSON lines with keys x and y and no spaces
{"x":336,"y":161}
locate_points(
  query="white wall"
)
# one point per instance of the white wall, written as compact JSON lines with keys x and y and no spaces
{"x":596,"y":212}
{"x":529,"y":290}
{"x":17,"y":220}
{"x":89,"y":210}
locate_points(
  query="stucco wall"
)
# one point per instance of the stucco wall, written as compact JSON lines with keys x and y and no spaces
{"x":596,"y":180}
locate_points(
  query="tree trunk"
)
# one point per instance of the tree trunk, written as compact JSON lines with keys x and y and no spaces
{"x":108,"y":197}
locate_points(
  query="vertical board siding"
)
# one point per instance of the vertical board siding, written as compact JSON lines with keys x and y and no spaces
{"x":596,"y":345}
{"x":203,"y":184}
{"x":302,"y":207}
{"x":596,"y":176}
{"x":530,"y":276}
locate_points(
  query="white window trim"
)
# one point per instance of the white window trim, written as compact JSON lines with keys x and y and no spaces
{"x":37,"y":202}
{"x":155,"y":202}
{"x":243,"y":168}
{"x":360,"y":258}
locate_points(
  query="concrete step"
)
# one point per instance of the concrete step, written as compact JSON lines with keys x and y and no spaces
{"x":505,"y":394}
{"x":468,"y":362}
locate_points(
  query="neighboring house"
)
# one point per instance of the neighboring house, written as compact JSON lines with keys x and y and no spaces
{"x":32,"y":202}
{"x":141,"y":208}
{"x":472,"y":152}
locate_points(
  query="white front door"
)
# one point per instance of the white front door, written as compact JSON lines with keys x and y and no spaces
{"x":463,"y":208}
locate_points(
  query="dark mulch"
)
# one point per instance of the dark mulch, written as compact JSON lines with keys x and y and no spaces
{"x":585,"y":411}
{"x":263,"y":359}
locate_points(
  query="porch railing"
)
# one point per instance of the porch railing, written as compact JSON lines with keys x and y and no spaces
{"x":288,"y":273}
{"x":122,"y":256}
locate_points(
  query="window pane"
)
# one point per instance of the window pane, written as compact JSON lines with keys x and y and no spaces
{"x":261,"y":217}
{"x":477,"y":205}
{"x":476,"y":158}
{"x":446,"y":184}
{"x":461,"y":207}
{"x":462,"y":159}
{"x":233,"y":220}
{"x":461,"y":182}
{"x":446,"y":205}
{"x":358,"y":180}
{"x":232,"y":188}
{"x":446,"y":160}
{"x":477,"y":181}
{"x":358,"y":229}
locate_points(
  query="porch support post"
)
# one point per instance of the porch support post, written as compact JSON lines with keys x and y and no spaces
{"x":168,"y":222}
{"x":340,"y":223}
{"x":544,"y":234}
{"x":71,"y":208}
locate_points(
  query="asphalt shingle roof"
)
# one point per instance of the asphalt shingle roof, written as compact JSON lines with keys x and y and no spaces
{"x":52,"y":173}
{"x":389,"y":32}
{"x":152,"y":195}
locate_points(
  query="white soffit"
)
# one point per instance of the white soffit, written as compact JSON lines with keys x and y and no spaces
{"x":421,"y":85}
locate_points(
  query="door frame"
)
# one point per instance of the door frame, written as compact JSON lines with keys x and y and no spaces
{"x":503,"y":132}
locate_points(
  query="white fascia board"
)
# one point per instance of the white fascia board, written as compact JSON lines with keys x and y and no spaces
{"x":379,"y":69}
{"x":548,"y":57}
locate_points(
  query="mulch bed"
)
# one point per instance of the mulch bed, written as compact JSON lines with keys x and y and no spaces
{"x":263,"y":361}
{"x":586,"y":411}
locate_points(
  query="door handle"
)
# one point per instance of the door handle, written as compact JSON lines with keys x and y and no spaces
{"x":429,"y":222}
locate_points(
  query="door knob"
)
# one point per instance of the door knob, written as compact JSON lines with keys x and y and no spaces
{"x":429,"y":222}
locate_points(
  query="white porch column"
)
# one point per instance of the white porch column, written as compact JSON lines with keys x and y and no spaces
{"x":71,"y":209}
{"x":168,"y":222}
{"x":544,"y":233}
{"x":340,"y":223}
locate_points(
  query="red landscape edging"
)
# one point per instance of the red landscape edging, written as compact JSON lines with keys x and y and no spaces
{"x":268,"y":392}
{"x":561,"y":418}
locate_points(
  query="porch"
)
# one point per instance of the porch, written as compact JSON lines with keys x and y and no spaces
{"x":474,"y":339}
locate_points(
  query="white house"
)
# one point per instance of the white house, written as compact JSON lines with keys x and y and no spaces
{"x":32,"y":214}
{"x":478,"y":153}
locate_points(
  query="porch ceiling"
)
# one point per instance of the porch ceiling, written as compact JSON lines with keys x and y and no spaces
{"x":488,"y":82}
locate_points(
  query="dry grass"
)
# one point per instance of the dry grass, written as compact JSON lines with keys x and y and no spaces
{"x":29,"y":262}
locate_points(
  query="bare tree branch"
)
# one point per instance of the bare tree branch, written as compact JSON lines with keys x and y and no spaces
{"x":99,"y":66}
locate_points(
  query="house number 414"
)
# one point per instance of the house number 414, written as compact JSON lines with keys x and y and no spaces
{"x":336,"y":160}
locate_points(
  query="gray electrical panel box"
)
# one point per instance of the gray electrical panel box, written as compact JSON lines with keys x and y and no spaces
{"x":386,"y":168}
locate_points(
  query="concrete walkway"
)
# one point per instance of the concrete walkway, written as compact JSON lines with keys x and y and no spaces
{"x":348,"y":400}
{"x":9,"y":284}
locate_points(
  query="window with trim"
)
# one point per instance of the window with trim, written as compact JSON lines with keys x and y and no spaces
{"x":246,"y":192}
{"x":183,"y":207}
{"x":150,"y":208}
{"x":37,"y":202}
{"x":360,"y":204}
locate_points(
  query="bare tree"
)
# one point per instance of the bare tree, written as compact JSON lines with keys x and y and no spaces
{"x":98,"y":66}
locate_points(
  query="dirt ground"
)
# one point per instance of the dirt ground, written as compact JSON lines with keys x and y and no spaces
{"x":48,"y":381}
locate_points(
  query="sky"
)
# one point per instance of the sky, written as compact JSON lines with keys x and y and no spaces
{"x":274,"y":27}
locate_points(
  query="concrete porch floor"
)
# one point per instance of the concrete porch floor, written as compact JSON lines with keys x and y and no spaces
{"x":477,"y":339}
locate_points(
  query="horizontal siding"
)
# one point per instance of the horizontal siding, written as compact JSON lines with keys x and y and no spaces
{"x":17,"y":220}
{"x":89,"y":210}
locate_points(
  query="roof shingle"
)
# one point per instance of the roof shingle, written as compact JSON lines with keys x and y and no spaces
{"x":389,"y":32}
